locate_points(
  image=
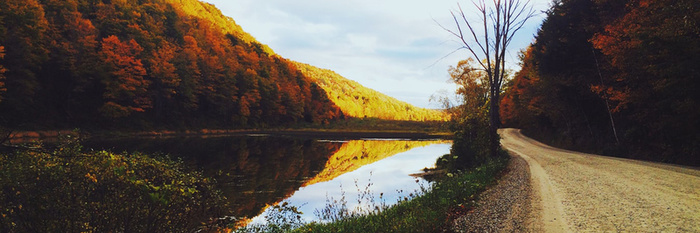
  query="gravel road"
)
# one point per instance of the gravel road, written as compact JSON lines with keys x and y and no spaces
{"x":504,"y":207}
{"x":578,"y":192}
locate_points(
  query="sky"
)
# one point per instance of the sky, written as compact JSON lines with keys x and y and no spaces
{"x":396,"y":47}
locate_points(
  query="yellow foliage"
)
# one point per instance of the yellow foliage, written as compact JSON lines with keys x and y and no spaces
{"x":209,"y":12}
{"x":355,"y":100}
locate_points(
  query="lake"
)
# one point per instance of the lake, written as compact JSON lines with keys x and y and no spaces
{"x":257,"y":171}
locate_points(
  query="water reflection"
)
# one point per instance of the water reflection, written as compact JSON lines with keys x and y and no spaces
{"x":251,"y":171}
{"x":387,"y":175}
{"x":254,"y":172}
{"x":357,"y":153}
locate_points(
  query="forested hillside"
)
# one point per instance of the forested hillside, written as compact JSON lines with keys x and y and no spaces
{"x":617,"y":77}
{"x":144,"y":63}
{"x":358,"y":101}
{"x":151,"y":64}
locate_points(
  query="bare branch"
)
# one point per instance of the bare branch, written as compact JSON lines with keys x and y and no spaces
{"x":500,"y":22}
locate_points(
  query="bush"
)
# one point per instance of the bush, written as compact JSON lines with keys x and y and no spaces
{"x":67,"y":190}
{"x":470,"y":147}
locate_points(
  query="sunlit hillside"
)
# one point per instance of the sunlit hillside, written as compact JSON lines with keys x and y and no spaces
{"x":353,"y":99}
{"x":161,"y":64}
{"x":214,"y":15}
{"x":359,"y":101}
{"x":355,"y":154}
{"x":142,"y":65}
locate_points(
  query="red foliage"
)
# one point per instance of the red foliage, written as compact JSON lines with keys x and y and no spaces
{"x":125,"y":87}
{"x":2,"y":71}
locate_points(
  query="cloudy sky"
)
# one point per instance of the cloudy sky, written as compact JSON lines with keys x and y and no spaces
{"x":393,"y":46}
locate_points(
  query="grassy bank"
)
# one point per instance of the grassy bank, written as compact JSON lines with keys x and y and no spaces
{"x":431,"y":211}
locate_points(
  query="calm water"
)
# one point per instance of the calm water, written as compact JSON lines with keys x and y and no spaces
{"x":258,"y":171}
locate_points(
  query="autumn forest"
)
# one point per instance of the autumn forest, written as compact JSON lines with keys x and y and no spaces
{"x":614,"y":77}
{"x":152,"y":64}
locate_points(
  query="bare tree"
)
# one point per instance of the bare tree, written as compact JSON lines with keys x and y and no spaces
{"x":500,"y":20}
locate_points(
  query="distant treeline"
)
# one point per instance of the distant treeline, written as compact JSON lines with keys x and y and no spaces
{"x":148,"y":63}
{"x":615,"y":77}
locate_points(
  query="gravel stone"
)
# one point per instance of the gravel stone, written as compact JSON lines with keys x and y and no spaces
{"x":503,"y":207}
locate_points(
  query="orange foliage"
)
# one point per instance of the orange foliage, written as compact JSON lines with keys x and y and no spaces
{"x":2,"y":71}
{"x":175,"y":62}
{"x":614,"y":77}
{"x":126,"y":86}
{"x":163,"y":70}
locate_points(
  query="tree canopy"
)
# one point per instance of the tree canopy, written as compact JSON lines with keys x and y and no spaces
{"x":600,"y":68}
{"x":153,"y":63}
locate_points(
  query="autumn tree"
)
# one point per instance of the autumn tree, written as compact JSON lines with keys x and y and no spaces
{"x":164,"y":77}
{"x":520,"y":103}
{"x":125,"y":86}
{"x":2,"y":73}
{"x":652,"y":80}
{"x":23,"y":35}
{"x":638,"y":57}
{"x":67,"y":79}
{"x":471,"y":122}
{"x":488,"y":44}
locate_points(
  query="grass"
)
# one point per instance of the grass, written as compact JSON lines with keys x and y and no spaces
{"x":429,"y":210}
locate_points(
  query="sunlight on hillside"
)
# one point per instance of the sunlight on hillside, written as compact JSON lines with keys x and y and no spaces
{"x":210,"y":12}
{"x":355,"y":154}
{"x":358,"y":101}
{"x":353,"y":99}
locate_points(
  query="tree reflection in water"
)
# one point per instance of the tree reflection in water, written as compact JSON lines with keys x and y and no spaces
{"x":254,"y":171}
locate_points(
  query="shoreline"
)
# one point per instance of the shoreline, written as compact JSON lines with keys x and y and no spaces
{"x":18,"y":137}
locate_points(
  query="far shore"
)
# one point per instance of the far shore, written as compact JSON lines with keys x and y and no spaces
{"x":332,"y":134}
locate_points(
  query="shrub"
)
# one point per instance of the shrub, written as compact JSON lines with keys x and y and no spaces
{"x":67,"y":190}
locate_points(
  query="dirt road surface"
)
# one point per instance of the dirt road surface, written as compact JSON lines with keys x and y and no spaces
{"x":578,"y":192}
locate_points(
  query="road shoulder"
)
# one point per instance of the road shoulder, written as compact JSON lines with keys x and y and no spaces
{"x":504,"y":207}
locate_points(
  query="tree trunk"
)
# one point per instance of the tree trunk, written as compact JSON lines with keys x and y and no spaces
{"x":494,"y":124}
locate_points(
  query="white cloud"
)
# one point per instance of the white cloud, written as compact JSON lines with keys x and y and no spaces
{"x":392,"y":46}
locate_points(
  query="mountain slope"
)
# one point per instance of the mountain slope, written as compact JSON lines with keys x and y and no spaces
{"x":359,"y":101}
{"x":213,"y":14}
{"x":154,"y":63}
{"x":144,"y":64}
{"x":352,"y":98}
